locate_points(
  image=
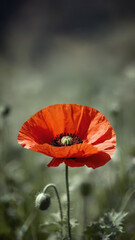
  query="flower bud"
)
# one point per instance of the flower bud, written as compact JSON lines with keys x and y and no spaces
{"x":67,"y":140}
{"x":4,"y":110}
{"x":85,"y":189}
{"x":42,"y":201}
{"x":115,"y":110}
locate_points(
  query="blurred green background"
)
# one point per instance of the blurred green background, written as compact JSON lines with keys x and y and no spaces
{"x":65,"y":52}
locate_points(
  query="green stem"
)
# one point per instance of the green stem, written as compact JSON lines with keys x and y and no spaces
{"x":59,"y":202}
{"x":26,"y":225}
{"x":68,"y":205}
{"x":126,"y":200}
{"x":84,"y":212}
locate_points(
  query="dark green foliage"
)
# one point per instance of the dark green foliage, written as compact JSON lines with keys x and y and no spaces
{"x":107,"y":228}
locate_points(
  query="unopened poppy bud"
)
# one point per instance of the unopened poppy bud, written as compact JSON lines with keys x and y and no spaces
{"x":4,"y":110}
{"x":67,"y":140}
{"x":115,"y":110}
{"x":85,"y":189}
{"x":42,"y":201}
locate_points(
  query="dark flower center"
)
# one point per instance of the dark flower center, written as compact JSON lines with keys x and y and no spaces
{"x":66,"y":139}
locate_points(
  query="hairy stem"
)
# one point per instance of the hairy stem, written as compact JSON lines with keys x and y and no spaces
{"x":51,"y":185}
{"x":68,"y":205}
{"x":126,"y":200}
{"x":84,"y":212}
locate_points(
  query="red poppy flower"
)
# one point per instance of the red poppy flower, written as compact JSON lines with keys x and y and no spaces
{"x":74,"y":134}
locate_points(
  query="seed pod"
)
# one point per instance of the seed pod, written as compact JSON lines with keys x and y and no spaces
{"x":42,"y":201}
{"x":67,"y":140}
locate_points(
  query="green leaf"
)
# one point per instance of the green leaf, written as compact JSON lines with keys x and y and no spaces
{"x":112,"y":221}
{"x":93,"y":231}
{"x":74,"y":223}
{"x":107,"y":228}
{"x":50,"y":227}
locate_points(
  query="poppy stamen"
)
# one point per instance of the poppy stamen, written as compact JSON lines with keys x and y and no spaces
{"x":66,"y":139}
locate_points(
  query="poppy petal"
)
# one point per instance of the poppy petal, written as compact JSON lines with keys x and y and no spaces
{"x":98,"y":160}
{"x":55,"y":162}
{"x":94,"y":161}
{"x":94,"y":126}
{"x":99,"y":139}
{"x":43,"y":126}
{"x":107,"y":146}
{"x":76,"y":150}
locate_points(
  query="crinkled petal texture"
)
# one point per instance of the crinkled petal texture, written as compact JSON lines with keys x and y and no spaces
{"x":99,"y":139}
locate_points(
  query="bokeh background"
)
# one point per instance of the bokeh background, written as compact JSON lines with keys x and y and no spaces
{"x":65,"y":52}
